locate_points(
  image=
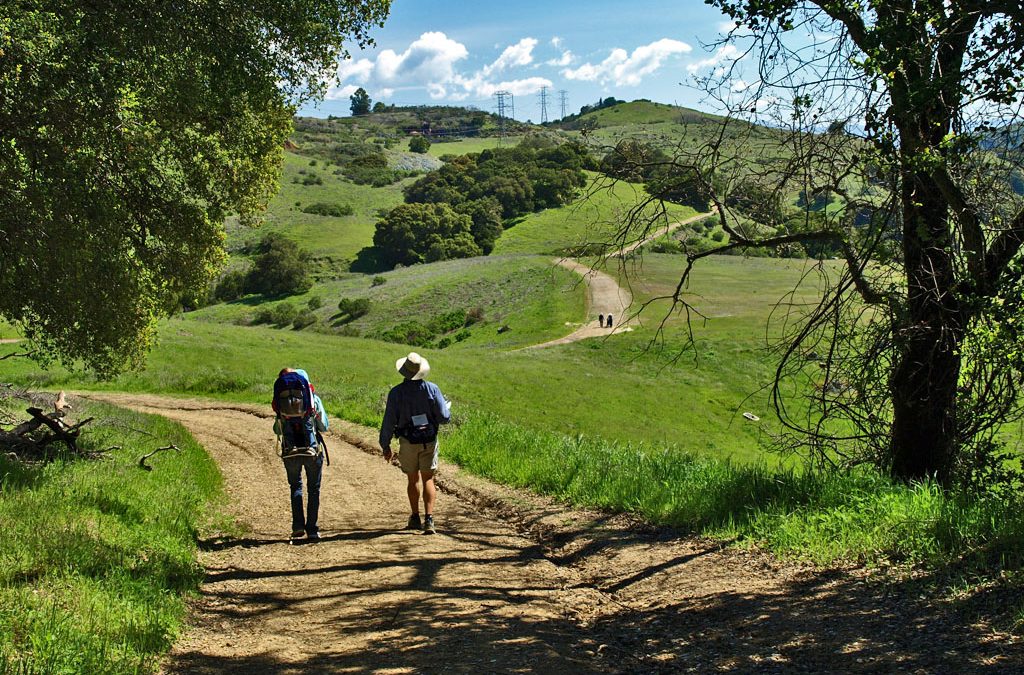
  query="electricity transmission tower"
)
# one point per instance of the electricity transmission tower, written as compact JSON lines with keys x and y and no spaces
{"x":563,"y":98}
{"x":506,"y":103}
{"x":543,"y":105}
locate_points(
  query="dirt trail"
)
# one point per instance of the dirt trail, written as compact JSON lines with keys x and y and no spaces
{"x":517,"y":583}
{"x":605,"y":296}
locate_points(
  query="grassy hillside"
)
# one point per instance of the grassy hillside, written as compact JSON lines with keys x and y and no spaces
{"x":333,"y":241}
{"x":591,"y":220}
{"x":527,"y":297}
{"x":619,"y":388}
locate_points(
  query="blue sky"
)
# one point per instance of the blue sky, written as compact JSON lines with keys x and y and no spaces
{"x":460,"y":53}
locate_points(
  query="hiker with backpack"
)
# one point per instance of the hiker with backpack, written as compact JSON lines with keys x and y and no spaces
{"x":300,"y":420}
{"x":414,"y":411}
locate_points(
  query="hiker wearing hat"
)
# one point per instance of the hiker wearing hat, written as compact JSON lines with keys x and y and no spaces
{"x":414,"y":411}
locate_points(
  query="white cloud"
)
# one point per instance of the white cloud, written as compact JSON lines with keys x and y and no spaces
{"x":724,"y":53}
{"x":556,"y":42}
{"x":335,"y":93}
{"x":624,"y":69}
{"x":562,"y":61}
{"x":519,"y":54}
{"x":429,"y":59}
{"x":431,"y":63}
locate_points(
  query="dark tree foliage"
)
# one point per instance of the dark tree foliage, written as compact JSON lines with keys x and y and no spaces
{"x":520,"y":179}
{"x":417,"y":233}
{"x":280,"y":268}
{"x":360,"y":102}
{"x":905,"y":113}
{"x":487,"y":226}
{"x":128,"y":132}
{"x":419,"y":144}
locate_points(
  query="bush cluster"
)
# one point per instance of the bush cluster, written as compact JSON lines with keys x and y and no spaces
{"x":280,"y":268}
{"x":325,"y":209}
{"x":450,"y":325}
{"x":354,"y":307}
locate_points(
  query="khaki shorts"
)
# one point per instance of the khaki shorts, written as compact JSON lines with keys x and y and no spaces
{"x":417,"y":457}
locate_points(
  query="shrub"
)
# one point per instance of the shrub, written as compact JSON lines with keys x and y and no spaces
{"x":279,"y":268}
{"x":718,"y":235}
{"x":303,"y":319}
{"x":263,"y":315}
{"x":462,"y":335}
{"x":316,"y":302}
{"x":378,"y":281}
{"x":409,"y":333}
{"x":325,"y":209}
{"x":444,"y":342}
{"x":354,"y":307}
{"x":231,"y":286}
{"x":283,"y":314}
{"x":449,"y":321}
{"x":312,"y":179}
{"x":475,"y":315}
{"x":419,"y":144}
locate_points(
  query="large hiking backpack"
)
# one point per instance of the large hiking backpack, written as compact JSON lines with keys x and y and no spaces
{"x":294,"y":404}
{"x":293,"y":396}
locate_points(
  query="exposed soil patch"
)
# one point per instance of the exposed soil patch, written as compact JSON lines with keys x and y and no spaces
{"x":517,"y":583}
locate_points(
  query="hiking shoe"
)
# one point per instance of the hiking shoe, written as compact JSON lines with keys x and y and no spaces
{"x":313,"y":536}
{"x":414,"y":522}
{"x":428,"y":525}
{"x":298,"y":534}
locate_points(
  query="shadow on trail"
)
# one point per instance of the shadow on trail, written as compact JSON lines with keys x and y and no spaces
{"x":831,"y":621}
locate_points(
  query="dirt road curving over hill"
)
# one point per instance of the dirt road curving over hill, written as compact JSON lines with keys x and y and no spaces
{"x":605,"y":296}
{"x":516,"y":583}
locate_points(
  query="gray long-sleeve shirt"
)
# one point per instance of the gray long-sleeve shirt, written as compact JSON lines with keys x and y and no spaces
{"x":408,"y":398}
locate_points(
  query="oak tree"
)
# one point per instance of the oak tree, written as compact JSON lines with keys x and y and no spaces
{"x":128,"y":133}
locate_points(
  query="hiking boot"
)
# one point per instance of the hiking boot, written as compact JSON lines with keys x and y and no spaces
{"x":298,"y":534}
{"x":428,"y":525}
{"x":414,"y":522}
{"x":313,"y":536}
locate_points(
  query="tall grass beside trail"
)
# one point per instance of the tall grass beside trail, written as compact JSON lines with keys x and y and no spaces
{"x":860,"y":516}
{"x":98,"y":555}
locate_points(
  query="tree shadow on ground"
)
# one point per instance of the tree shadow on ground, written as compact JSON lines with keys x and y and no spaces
{"x":369,"y":260}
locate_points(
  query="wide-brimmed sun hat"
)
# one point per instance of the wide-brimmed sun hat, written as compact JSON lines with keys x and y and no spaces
{"x":412,"y":367}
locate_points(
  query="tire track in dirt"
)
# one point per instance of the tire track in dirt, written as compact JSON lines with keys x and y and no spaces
{"x":518,"y":583}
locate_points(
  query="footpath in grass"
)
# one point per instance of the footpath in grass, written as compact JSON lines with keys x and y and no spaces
{"x":99,"y":555}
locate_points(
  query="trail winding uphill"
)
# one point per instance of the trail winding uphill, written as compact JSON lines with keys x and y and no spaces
{"x":516,"y":583}
{"x":605,"y":296}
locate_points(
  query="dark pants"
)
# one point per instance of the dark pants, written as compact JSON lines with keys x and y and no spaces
{"x":314,"y":470}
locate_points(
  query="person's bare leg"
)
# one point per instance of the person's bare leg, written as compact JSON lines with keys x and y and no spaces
{"x":429,"y":493}
{"x":413,"y":490}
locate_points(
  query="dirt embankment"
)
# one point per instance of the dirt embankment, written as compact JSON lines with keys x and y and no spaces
{"x":517,"y":583}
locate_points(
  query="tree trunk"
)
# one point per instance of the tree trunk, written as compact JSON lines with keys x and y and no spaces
{"x":924,"y":380}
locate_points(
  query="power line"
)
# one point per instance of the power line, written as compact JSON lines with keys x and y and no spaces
{"x":544,"y":105}
{"x":563,"y":98}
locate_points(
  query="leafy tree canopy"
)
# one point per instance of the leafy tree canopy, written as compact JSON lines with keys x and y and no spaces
{"x":128,"y":132}
{"x":416,"y":233}
{"x":360,"y":102}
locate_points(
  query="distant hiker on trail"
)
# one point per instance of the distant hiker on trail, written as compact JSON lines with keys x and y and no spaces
{"x":414,"y":411}
{"x":609,"y":321}
{"x":300,"y":419}
{"x":600,"y":319}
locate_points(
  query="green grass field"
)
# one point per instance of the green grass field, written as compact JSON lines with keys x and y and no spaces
{"x":333,"y":241}
{"x":593,"y":219}
{"x":98,"y":555}
{"x":469,"y":145}
{"x":528,"y":295}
